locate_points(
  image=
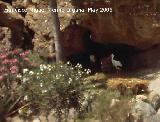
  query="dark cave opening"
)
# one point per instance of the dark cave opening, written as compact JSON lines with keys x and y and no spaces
{"x":93,"y":53}
{"x":123,"y":52}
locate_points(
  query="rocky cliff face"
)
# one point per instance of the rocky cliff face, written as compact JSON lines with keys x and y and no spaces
{"x":134,"y":23}
{"x":21,"y":35}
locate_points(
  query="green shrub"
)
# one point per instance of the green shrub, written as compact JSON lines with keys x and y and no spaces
{"x":103,"y":101}
{"x":35,"y":58}
{"x":105,"y":110}
{"x":57,"y":87}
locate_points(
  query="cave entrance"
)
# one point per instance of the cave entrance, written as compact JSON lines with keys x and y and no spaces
{"x":98,"y":56}
{"x":81,"y":48}
{"x":122,"y":53}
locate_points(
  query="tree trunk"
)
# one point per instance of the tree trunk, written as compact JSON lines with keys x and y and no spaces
{"x":57,"y":34}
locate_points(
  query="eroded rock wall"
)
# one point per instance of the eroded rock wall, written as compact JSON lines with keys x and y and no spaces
{"x":134,"y":23}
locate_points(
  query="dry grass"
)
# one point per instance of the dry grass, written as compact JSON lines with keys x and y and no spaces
{"x":128,"y":82}
{"x":136,"y":85}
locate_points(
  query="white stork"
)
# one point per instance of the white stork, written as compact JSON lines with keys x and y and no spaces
{"x":117,"y":64}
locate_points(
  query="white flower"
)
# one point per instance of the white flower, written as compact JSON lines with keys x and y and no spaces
{"x":20,"y":111}
{"x":25,"y":70}
{"x":68,"y":63}
{"x":19,"y":76}
{"x":25,"y":79}
{"x":70,"y":80}
{"x":78,"y":65}
{"x":49,"y":66}
{"x":41,"y":67}
{"x":29,"y":112}
{"x":88,"y":71}
{"x":79,"y":72}
{"x":31,"y":72}
{"x":41,"y":84}
{"x":44,"y":91}
{"x":26,"y":97}
{"x":38,"y":77}
{"x":44,"y":66}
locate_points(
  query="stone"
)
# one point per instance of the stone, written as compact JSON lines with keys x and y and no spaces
{"x":36,"y":120}
{"x":158,"y":112}
{"x":143,"y":109}
{"x":154,"y":99}
{"x":154,"y":118}
{"x":141,"y":97}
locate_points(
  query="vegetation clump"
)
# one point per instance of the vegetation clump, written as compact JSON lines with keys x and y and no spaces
{"x":57,"y":87}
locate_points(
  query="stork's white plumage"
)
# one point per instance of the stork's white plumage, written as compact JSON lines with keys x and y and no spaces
{"x":117,"y":64}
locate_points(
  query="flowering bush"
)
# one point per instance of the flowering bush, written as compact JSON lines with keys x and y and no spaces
{"x":11,"y":64}
{"x":54,"y":87}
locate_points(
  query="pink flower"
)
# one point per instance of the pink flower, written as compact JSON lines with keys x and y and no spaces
{"x":16,"y":51}
{"x":14,"y":69}
{"x":1,"y":77}
{"x":2,"y":69}
{"x":6,"y":61}
{"x":13,"y":61}
{"x":3,"y":56}
{"x":24,"y":54}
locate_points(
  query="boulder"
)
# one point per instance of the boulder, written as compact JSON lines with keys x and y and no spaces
{"x":143,"y":109}
{"x":154,"y":99}
{"x":146,"y":112}
{"x":154,"y":118}
{"x":141,"y":97}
